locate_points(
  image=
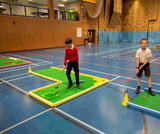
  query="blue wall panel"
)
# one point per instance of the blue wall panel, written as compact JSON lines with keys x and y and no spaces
{"x":139,"y":35}
{"x":124,"y":36}
{"x":157,"y":38}
{"x":116,"y":36}
{"x":130,"y":36}
{"x":100,"y":37}
{"x":153,"y":36}
{"x":103,"y":36}
{"x":106,"y":36}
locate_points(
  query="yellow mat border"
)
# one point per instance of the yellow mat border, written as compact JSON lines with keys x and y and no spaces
{"x":31,"y":93}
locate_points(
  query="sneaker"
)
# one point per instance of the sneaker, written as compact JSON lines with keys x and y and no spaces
{"x":137,"y":91}
{"x":68,"y":86}
{"x":78,"y":86}
{"x":151,"y":92}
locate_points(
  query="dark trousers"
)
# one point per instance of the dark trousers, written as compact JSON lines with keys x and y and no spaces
{"x":146,"y":69}
{"x":76,"y":70}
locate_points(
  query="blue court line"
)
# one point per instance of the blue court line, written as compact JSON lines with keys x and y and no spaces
{"x":23,"y":91}
{"x":79,"y":121}
{"x":5,"y":130}
{"x":16,"y":79}
{"x":14,"y":75}
{"x":73,"y":118}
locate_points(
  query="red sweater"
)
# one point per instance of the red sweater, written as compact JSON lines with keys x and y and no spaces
{"x":71,"y":55}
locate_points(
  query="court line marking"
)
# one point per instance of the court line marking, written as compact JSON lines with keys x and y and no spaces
{"x":20,"y":68}
{"x":116,"y":56}
{"x":128,"y":87}
{"x":117,"y":75}
{"x":120,"y":54}
{"x":154,"y":59}
{"x":27,"y":57}
{"x":113,"y":51}
{"x":111,"y":74}
{"x":22,"y":74}
{"x":115,"y":78}
{"x":15,"y":67}
{"x":56,"y":109}
{"x":103,"y":72}
{"x":14,"y":75}
{"x":81,"y":122}
{"x":115,"y":84}
{"x":11,"y":70}
{"x":16,"y":79}
{"x":34,"y":64}
{"x":25,"y":121}
{"x":53,"y":51}
{"x":23,"y":91}
{"x":127,"y":59}
{"x":37,"y":64}
{"x":85,"y":124}
{"x":88,"y":70}
{"x":122,"y":85}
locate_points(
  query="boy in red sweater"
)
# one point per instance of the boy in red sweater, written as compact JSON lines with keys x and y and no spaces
{"x":71,"y":59}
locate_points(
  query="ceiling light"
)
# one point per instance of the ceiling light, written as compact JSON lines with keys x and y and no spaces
{"x":64,"y":0}
{"x":61,"y":5}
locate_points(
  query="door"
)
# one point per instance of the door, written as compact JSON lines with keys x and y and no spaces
{"x":91,"y":35}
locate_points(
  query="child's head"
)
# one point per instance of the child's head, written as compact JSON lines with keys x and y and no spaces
{"x":143,"y":43}
{"x":68,"y":42}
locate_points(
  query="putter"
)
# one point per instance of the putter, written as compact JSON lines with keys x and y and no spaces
{"x":126,"y":91}
{"x":59,"y":79}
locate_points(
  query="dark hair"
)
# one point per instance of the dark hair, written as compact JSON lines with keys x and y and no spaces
{"x":68,"y":41}
{"x":143,"y":39}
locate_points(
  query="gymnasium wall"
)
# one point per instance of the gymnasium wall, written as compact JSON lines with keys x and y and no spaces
{"x":27,"y":33}
{"x":138,"y":17}
{"x":111,"y":21}
{"x":22,"y":33}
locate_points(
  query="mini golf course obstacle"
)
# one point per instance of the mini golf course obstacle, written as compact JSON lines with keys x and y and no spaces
{"x":156,"y":47}
{"x":145,"y":102}
{"x":10,"y":61}
{"x":81,"y":81}
{"x":54,"y":97}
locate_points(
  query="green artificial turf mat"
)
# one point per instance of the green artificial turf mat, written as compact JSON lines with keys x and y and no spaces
{"x":6,"y":62}
{"x":151,"y":102}
{"x":54,"y":96}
